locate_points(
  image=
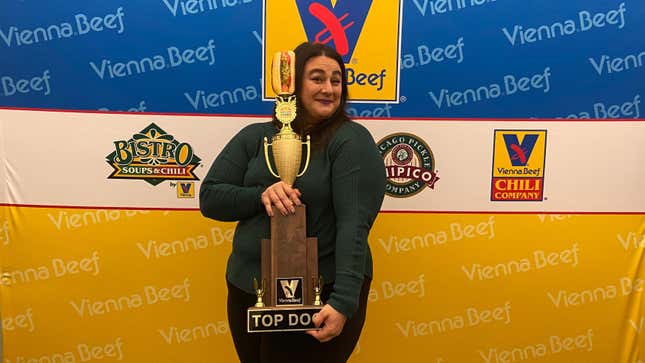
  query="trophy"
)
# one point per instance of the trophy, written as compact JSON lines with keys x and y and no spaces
{"x":288,"y":294}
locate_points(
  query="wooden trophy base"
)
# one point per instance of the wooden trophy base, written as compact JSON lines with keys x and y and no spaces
{"x":289,"y":277}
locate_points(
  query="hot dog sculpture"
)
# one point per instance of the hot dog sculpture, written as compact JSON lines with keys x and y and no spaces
{"x":283,"y":73}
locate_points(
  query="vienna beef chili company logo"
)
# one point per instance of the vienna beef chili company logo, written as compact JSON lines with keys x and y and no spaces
{"x":154,"y":156}
{"x":365,"y":33}
{"x":409,"y":165}
{"x":518,"y":165}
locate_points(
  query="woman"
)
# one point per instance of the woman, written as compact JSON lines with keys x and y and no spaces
{"x":343,"y":190}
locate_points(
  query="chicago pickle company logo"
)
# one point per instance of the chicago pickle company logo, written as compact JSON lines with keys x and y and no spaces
{"x":518,"y":165}
{"x":409,"y":165}
{"x":154,"y":156}
{"x":370,"y":48}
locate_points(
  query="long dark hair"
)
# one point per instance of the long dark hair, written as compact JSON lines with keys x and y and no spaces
{"x":321,"y":132}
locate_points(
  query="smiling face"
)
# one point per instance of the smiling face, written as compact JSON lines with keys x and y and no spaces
{"x":321,"y":88}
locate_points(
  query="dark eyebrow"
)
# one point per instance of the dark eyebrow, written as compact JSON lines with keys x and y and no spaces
{"x":318,"y":70}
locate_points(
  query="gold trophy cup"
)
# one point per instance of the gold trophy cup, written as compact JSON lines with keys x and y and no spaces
{"x":286,"y":144}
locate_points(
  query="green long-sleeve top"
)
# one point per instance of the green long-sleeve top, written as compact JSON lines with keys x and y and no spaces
{"x":343,"y":190}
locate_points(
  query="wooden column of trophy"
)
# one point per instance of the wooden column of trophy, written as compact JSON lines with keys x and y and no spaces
{"x":289,"y":290}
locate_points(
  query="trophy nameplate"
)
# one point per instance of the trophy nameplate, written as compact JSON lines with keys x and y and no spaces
{"x":289,"y":290}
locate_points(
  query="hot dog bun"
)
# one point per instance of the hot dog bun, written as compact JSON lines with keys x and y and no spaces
{"x":283,"y":72}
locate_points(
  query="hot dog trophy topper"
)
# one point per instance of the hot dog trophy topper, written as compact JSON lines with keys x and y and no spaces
{"x":286,"y":144}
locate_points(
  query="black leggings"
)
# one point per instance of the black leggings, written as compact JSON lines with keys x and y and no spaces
{"x":287,"y":347}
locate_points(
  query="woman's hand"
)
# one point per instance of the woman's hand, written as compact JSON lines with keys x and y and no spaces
{"x":282,"y":196}
{"x":333,"y":324}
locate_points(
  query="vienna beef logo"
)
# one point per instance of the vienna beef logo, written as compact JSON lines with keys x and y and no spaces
{"x":518,"y":165}
{"x":289,"y":291}
{"x":365,"y":33}
{"x":336,"y":25}
{"x":154,"y":156}
{"x":409,"y":165}
{"x":186,"y":190}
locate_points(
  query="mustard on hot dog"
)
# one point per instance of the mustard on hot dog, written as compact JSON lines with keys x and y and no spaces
{"x":283,"y":72}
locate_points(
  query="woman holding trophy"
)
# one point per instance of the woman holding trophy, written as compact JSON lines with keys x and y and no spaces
{"x":343,"y":189}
